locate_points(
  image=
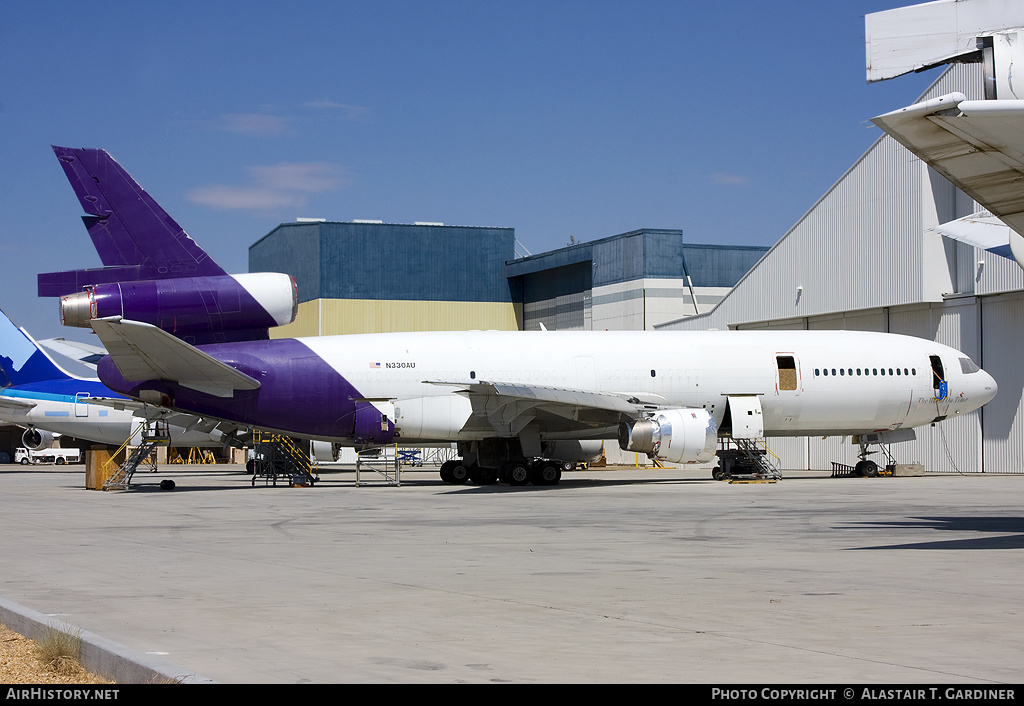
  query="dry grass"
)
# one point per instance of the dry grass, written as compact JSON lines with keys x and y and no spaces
{"x":60,"y":651}
{"x":52,"y":660}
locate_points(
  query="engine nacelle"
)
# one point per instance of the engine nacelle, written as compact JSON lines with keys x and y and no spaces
{"x":324,"y":451}
{"x":435,"y":418}
{"x":189,"y":305}
{"x":573,"y":450}
{"x":673,"y":435}
{"x":34,"y":439}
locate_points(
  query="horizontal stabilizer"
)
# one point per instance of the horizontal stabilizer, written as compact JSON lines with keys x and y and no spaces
{"x":144,"y":352}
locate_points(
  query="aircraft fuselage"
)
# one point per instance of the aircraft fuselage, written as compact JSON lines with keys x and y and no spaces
{"x":805,"y":382}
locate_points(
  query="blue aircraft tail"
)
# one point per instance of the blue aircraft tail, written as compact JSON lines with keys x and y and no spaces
{"x":22,"y":361}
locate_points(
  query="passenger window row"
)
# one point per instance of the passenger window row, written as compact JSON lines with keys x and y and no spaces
{"x":864,"y":371}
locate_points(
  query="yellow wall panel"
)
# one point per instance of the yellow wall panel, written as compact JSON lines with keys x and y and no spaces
{"x":326,"y":317}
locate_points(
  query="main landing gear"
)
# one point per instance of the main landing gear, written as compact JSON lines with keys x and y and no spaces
{"x":539,"y":471}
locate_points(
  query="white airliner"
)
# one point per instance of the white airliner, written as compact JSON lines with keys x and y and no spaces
{"x":518,"y":404}
{"x":515,"y":401}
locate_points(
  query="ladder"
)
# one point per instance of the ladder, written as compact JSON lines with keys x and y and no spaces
{"x":758,"y":457}
{"x":278,"y":456}
{"x":385,"y":461}
{"x":749,"y":459}
{"x":154,"y":433}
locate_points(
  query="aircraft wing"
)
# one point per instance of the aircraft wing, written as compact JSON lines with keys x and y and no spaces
{"x":977,"y":145}
{"x":508,"y":408}
{"x":13,"y":404}
{"x":83,"y":353}
{"x":982,"y":230}
{"x":188,"y":422}
{"x":145,"y":352}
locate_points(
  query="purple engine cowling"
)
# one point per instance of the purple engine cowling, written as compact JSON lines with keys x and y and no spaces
{"x":189,"y":306}
{"x":372,"y":427}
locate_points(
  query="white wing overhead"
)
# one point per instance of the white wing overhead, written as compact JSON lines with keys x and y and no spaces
{"x":982,"y":230}
{"x":977,"y":145}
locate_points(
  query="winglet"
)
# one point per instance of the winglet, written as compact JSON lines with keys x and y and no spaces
{"x":134,"y":237}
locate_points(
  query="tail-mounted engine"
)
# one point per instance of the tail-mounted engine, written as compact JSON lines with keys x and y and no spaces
{"x":673,"y":435}
{"x":189,"y":306}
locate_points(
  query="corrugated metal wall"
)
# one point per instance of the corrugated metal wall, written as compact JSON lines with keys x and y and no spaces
{"x":862,"y":245}
{"x":389,"y":261}
{"x":1002,"y":331}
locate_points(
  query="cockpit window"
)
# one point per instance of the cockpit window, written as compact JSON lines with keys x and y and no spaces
{"x":968,"y":366}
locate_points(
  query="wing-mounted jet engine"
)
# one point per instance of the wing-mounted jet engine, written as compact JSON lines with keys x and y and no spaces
{"x":153,"y":271}
{"x":673,"y":435}
{"x":36,"y":439}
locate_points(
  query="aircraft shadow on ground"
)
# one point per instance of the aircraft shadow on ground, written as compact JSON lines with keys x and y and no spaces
{"x":997,"y":532}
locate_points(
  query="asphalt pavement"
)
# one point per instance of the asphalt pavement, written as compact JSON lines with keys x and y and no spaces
{"x":614,"y":575}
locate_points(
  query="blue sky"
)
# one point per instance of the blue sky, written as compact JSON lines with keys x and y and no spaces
{"x":559,"y":118}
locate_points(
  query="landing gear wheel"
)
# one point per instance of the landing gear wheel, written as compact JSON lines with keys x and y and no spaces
{"x":460,"y":473}
{"x":446,"y":471}
{"x":516,"y":473}
{"x":867,"y":469}
{"x":545,"y":474}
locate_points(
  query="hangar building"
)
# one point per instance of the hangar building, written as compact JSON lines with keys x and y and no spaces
{"x":863,"y":258}
{"x":371,"y":277}
{"x":631,"y":281}
{"x":361,"y":277}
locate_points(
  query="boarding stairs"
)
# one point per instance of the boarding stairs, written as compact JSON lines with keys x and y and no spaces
{"x":279,"y":456}
{"x":153,"y":434}
{"x":748,"y":459}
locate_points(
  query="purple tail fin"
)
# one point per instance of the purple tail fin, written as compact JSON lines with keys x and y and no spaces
{"x":134,"y":237}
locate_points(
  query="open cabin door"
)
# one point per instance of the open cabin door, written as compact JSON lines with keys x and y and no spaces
{"x":743,"y":413}
{"x":940,"y":387}
{"x":788,"y":373}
